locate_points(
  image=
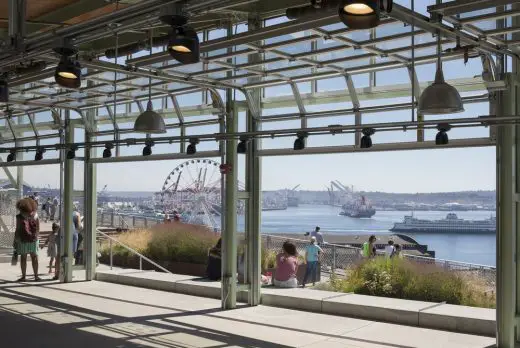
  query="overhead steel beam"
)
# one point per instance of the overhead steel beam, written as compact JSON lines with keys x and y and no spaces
{"x":324,"y":18}
{"x":405,"y":15}
{"x":455,"y":143}
{"x":463,"y":6}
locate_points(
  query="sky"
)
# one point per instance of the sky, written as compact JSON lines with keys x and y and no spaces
{"x":435,"y":170}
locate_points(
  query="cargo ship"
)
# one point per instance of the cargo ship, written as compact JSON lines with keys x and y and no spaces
{"x":358,"y":208}
{"x":451,"y":224}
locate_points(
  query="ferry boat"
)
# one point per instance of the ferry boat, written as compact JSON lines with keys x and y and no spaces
{"x":451,"y":224}
{"x":358,"y":209}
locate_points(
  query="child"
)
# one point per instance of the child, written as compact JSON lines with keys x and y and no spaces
{"x":312,"y":254}
{"x":51,"y":245}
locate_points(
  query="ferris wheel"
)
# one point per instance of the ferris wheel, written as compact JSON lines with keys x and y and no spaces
{"x":192,"y":190}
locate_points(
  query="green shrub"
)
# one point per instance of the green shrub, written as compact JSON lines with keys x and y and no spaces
{"x":399,"y":278}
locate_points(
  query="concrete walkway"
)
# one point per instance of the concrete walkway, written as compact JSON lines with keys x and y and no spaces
{"x":99,"y":314}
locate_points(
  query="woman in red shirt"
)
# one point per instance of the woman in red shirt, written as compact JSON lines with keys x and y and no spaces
{"x":286,"y":267}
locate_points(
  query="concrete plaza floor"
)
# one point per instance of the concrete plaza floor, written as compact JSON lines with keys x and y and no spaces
{"x":98,"y":314}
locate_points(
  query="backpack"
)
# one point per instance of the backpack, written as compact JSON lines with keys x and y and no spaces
{"x":28,"y":228}
{"x":366,"y":249}
{"x":44,"y":206}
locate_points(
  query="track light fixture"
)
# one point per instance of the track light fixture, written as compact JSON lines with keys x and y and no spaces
{"x":107,"y":152}
{"x":192,"y":147}
{"x":68,"y":71}
{"x":299,"y":143}
{"x":71,"y":153}
{"x":442,"y":136}
{"x":363,"y":14}
{"x":12,"y":156}
{"x":147,"y":150}
{"x":4,"y":90}
{"x":242,"y":145}
{"x":366,"y":140}
{"x":39,"y":154}
{"x":183,"y":45}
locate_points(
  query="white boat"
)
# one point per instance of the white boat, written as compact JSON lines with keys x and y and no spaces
{"x":451,"y":224}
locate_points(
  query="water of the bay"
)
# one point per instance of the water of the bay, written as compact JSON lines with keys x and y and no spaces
{"x":473,"y":248}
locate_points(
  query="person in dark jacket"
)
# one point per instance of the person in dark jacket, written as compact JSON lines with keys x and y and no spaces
{"x":213,"y":271}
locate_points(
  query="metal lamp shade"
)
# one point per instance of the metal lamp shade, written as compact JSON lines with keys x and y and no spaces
{"x":359,"y":14}
{"x":150,"y":122}
{"x":440,"y":98}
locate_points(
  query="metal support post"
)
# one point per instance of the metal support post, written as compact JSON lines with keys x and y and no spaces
{"x":229,"y":234}
{"x":507,"y":229}
{"x":253,"y":183}
{"x":68,"y":190}
{"x":17,"y":9}
{"x":90,"y":221}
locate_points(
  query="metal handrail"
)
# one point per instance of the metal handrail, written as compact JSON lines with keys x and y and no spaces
{"x":141,"y":256}
{"x":449,"y":261}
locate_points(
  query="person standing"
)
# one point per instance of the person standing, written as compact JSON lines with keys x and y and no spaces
{"x":318,"y":235}
{"x":312,"y":254}
{"x":46,"y":208}
{"x":51,"y":245}
{"x":77,"y":228}
{"x":369,"y":248}
{"x":54,"y":208}
{"x":26,"y":235}
{"x":389,"y":249}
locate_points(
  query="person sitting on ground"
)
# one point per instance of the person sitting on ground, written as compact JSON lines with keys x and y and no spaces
{"x":26,"y":235}
{"x":312,"y":254}
{"x":369,"y":248}
{"x":389,"y":249}
{"x":286,"y":267}
{"x":213,"y":270}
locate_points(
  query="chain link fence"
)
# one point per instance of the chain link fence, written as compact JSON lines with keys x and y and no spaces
{"x":335,"y":258}
{"x":8,"y":213}
{"x":338,"y":258}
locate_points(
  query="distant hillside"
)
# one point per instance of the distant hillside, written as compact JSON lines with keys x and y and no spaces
{"x":463,"y":197}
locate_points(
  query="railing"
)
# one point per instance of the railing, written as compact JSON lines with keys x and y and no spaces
{"x":112,"y":240}
{"x":125,"y":221}
{"x":339,"y":257}
{"x":335,"y":257}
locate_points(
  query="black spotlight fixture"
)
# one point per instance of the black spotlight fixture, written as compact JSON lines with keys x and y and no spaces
{"x":39,"y":154}
{"x":4,"y":90}
{"x":147,"y":149}
{"x":183,"y":42}
{"x":183,"y":45}
{"x":366,"y":140}
{"x":107,"y":152}
{"x":192,"y":147}
{"x":442,"y":136}
{"x":242,"y":146}
{"x":12,"y":156}
{"x":299,"y":143}
{"x":68,"y":71}
{"x":71,"y":153}
{"x":363,"y":14}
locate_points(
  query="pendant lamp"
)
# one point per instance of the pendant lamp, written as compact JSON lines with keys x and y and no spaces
{"x":440,"y":97}
{"x":149,"y":121}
